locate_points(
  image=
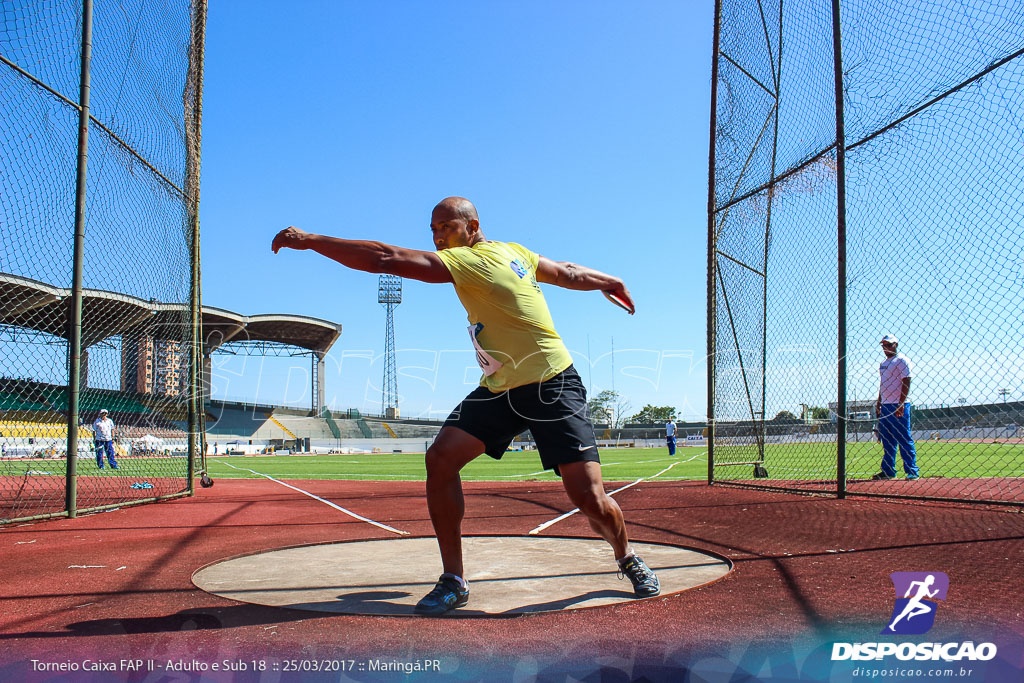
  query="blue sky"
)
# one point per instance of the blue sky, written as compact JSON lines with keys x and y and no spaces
{"x":579,"y":129}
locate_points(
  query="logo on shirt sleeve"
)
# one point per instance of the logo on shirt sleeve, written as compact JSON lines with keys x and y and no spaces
{"x":518,"y":268}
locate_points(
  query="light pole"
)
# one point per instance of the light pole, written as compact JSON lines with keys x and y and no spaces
{"x":389,"y":293}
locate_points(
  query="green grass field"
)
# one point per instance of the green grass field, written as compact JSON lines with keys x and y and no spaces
{"x":789,"y":461}
{"x":818,"y":460}
{"x":623,"y":464}
{"x":619,"y":464}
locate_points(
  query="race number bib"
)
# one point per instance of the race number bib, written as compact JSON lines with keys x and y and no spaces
{"x":486,"y":362}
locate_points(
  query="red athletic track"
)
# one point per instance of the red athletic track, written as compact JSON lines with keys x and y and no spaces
{"x":994,"y":490}
{"x":26,"y":496}
{"x":804,"y":566}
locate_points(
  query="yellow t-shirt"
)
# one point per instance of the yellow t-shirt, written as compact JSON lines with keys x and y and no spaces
{"x":497,"y":284}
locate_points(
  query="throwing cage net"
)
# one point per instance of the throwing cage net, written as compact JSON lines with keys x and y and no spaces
{"x":899,"y":212}
{"x":99,"y":301}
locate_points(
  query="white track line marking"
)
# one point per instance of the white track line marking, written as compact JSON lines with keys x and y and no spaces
{"x":545,"y":525}
{"x":513,"y":476}
{"x":327,"y":502}
{"x":376,"y":475}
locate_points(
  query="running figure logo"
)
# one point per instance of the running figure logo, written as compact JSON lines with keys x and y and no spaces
{"x":916,"y":595}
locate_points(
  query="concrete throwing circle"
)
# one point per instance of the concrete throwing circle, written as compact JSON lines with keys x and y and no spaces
{"x":507,"y":575}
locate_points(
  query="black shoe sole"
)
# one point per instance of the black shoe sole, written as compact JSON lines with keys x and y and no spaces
{"x":437,"y":609}
{"x":434,"y":612}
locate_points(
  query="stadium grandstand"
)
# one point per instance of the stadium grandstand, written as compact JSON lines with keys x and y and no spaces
{"x":235,"y":428}
{"x":149,"y":408}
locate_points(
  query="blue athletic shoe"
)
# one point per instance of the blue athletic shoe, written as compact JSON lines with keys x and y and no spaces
{"x":645,"y":582}
{"x":911,"y":477}
{"x":446,"y":595}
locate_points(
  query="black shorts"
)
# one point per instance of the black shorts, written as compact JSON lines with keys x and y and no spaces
{"x":555,"y":412}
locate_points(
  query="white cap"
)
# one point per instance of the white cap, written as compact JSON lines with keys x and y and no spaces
{"x":890,"y":339}
{"x":104,"y":411}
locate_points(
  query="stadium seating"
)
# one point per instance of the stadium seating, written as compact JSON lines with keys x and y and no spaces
{"x":349,"y":429}
{"x":397,"y":429}
{"x":226,"y":420}
{"x":39,"y":430}
{"x":306,"y":427}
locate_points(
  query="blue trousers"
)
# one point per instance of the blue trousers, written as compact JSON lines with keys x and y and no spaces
{"x":671,"y":441}
{"x":895,"y":432}
{"x":108,"y":447}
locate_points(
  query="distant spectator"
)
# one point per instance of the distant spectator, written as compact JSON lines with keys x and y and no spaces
{"x":103,"y":434}
{"x":894,"y":412}
{"x":670,"y":436}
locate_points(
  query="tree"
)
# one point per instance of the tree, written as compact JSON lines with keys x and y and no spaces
{"x":785,"y":416}
{"x":608,"y":407}
{"x":654,"y":414}
{"x":600,"y":406}
{"x":818,"y":413}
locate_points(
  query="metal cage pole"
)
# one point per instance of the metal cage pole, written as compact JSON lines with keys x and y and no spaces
{"x":195,"y":403}
{"x":841,"y":408}
{"x":762,"y":428}
{"x":75,"y":311}
{"x":712,"y":247}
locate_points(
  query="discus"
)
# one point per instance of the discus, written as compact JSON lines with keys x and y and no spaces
{"x":618,"y":301}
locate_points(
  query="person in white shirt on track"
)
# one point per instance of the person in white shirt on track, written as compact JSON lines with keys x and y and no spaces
{"x":893,"y":412}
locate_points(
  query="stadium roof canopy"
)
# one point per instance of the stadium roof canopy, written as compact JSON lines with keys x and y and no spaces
{"x":38,"y":306}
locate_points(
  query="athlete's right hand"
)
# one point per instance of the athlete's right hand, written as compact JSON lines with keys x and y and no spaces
{"x":625,"y":298}
{"x":289,"y":238}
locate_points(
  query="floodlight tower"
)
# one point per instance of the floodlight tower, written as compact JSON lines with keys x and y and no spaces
{"x":389,"y":293}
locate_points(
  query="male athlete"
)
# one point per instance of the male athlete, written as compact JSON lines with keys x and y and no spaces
{"x":528,"y":381}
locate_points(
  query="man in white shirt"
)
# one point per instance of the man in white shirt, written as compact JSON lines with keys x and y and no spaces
{"x":670,"y":436}
{"x":894,"y":412}
{"x":103,"y":436}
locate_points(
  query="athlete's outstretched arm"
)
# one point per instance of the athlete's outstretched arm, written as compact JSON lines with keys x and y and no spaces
{"x":373,"y":257}
{"x":575,"y":276}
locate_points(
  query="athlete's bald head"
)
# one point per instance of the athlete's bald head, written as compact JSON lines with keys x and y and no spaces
{"x":461,"y":206}
{"x":454,"y":223}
